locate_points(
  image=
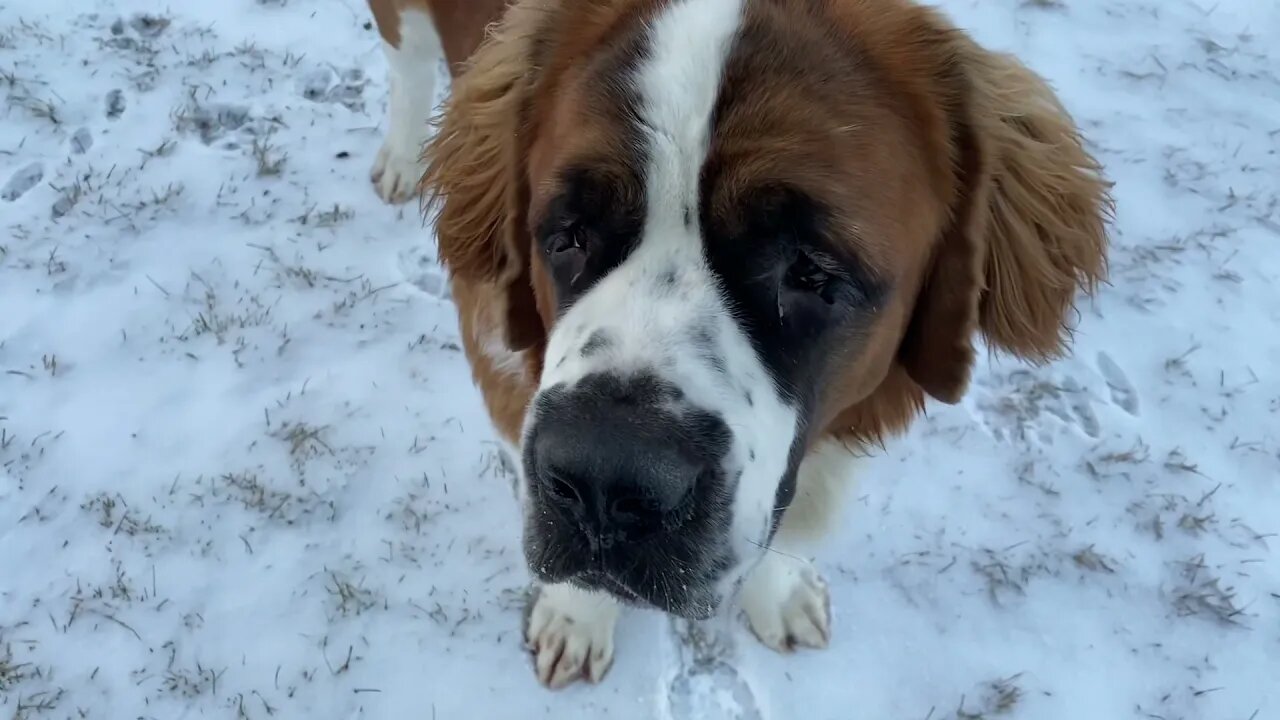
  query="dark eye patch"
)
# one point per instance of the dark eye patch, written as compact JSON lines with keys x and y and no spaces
{"x":588,"y":229}
{"x":796,"y":226}
{"x":795,"y":287}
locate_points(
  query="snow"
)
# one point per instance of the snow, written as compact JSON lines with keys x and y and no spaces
{"x":244,"y":474}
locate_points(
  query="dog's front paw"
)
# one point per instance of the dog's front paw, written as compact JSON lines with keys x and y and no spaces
{"x":787,"y":603}
{"x":397,"y":170}
{"x":570,"y":632}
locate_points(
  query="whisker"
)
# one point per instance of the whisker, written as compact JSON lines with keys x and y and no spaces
{"x":770,"y":548}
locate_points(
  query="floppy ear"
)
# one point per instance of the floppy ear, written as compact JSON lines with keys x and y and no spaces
{"x":1027,"y":227}
{"x":475,"y":172}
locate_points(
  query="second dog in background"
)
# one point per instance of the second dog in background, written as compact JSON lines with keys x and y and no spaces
{"x":416,"y":34}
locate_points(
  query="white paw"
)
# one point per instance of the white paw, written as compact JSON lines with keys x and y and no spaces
{"x":570,"y":632}
{"x":397,"y":171}
{"x":787,"y":603}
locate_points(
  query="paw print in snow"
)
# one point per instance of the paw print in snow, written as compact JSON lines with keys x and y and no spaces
{"x":1014,"y":406}
{"x":136,"y":32}
{"x":707,"y":686}
{"x":215,"y":121}
{"x":423,"y":272}
{"x":327,"y":85}
{"x":1123,"y":394}
{"x":115,"y":104}
{"x":81,"y":141}
{"x":22,"y":181}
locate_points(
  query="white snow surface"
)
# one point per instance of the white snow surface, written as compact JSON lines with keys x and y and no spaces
{"x":244,"y":472}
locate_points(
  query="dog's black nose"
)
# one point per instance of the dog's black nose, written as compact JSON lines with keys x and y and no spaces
{"x":621,"y":460}
{"x":618,"y":478}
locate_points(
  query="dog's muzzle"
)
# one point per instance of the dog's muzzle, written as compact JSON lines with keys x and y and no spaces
{"x":623,"y":475}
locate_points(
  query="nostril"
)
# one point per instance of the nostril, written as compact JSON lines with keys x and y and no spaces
{"x":563,"y":489}
{"x":634,"y":509}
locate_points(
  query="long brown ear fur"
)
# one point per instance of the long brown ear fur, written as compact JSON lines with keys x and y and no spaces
{"x":1028,"y":226}
{"x":474,"y":171}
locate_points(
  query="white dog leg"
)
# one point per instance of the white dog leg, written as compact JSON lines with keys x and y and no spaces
{"x":787,"y":603}
{"x":412,"y":76}
{"x":784,"y":597}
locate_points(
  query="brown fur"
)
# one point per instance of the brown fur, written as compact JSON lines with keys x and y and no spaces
{"x":1006,"y":209}
{"x":473,"y":175}
{"x":1027,"y":231}
{"x":1026,"y":203}
{"x":506,"y":394}
{"x":474,"y":169}
{"x":461,"y":23}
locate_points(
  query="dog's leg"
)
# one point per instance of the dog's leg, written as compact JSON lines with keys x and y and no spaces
{"x":787,"y":603}
{"x":413,"y":51}
{"x":785,"y":598}
{"x":570,"y":632}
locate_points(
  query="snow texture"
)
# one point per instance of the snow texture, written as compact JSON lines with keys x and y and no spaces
{"x":244,"y":473}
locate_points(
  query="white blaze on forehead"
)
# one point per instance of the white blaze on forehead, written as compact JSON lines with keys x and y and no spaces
{"x":678,"y":85}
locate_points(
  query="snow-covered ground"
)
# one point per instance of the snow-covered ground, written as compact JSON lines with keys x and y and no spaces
{"x":244,"y":474}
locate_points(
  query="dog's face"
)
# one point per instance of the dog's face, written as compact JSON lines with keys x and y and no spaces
{"x":741,"y":225}
{"x":709,"y":258}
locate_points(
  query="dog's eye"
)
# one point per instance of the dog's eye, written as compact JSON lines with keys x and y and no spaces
{"x":814,"y":285}
{"x":805,"y":274}
{"x":808,"y":275}
{"x":568,"y":240}
{"x":567,"y":251}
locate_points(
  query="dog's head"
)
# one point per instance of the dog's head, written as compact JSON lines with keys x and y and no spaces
{"x":724,"y":228}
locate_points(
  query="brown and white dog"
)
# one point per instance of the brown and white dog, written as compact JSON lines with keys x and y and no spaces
{"x":702,"y":248}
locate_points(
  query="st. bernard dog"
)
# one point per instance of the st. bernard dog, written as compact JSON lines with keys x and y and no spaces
{"x":703,"y":250}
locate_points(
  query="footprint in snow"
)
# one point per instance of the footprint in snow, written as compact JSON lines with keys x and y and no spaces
{"x":214,"y":121}
{"x":706,"y":685}
{"x":115,"y":104}
{"x":421,"y":270}
{"x":22,"y":181}
{"x":1016,"y":406}
{"x":1123,"y":393}
{"x":81,"y":141}
{"x":141,"y":24}
{"x":327,"y":84}
{"x":1081,"y":407}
